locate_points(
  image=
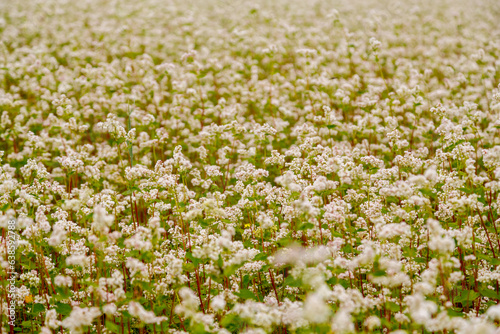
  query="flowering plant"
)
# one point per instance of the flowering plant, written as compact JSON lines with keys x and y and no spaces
{"x":249,"y":167}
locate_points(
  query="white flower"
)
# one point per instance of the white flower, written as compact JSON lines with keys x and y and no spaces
{"x":218,"y":303}
{"x":109,"y":309}
{"x":372,"y":322}
{"x":80,"y":317}
{"x":493,"y":312}
{"x":61,"y":280}
{"x":316,"y":310}
{"x":102,"y":221}
{"x":136,"y":310}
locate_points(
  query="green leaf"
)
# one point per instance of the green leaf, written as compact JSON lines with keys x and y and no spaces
{"x":189,"y":267}
{"x":260,"y":257}
{"x":198,"y":328}
{"x":347,"y":249}
{"x":428,"y":193}
{"x":454,"y":312}
{"x":379,"y":273}
{"x":62,"y":293}
{"x":126,"y":193}
{"x":466,"y":190}
{"x":420,"y":260}
{"x":283,"y":242}
{"x":332,"y":281}
{"x":112,"y":327}
{"x":409,"y":252}
{"x":231,"y":322}
{"x":393,"y":307}
{"x":203,"y":223}
{"x":228,"y":271}
{"x":246,"y":280}
{"x":331,"y":126}
{"x":337,"y":234}
{"x":306,"y":226}
{"x":466,"y":295}
{"x":290,"y":281}
{"x":38,"y":308}
{"x":246,"y":294}
{"x":63,"y":309}
{"x":26,"y":324}
{"x":220,"y":262}
{"x":489,"y":259}
{"x":193,"y":259}
{"x":452,"y":146}
{"x":491,"y":294}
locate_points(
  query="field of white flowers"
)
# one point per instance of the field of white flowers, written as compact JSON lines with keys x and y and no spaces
{"x":287,"y":166}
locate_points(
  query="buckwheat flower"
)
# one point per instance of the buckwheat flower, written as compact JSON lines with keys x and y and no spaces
{"x":32,"y":166}
{"x":71,"y":163}
{"x":493,"y":312}
{"x":316,"y":310}
{"x":342,"y":322}
{"x":438,"y":241}
{"x":476,"y":326}
{"x":213,"y":171}
{"x":190,"y":54}
{"x":31,"y":277}
{"x":140,"y":240}
{"x":193,"y":214}
{"x":102,"y":221}
{"x":401,"y":318}
{"x":470,"y":257}
{"x":288,"y":181}
{"x":45,"y":330}
{"x":375,"y":44}
{"x":190,"y":302}
{"x":179,"y":159}
{"x":225,"y":240}
{"x":391,"y":230}
{"x":59,"y":234}
{"x":72,"y":204}
{"x":291,"y":255}
{"x":135,"y":266}
{"x":22,"y":294}
{"x":491,"y":156}
{"x":258,"y":314}
{"x":218,"y":303}
{"x":265,"y":221}
{"x":136,"y":310}
{"x":51,"y":319}
{"x":61,"y":280}
{"x":109,"y":309}
{"x":455,"y":277}
{"x":168,"y":181}
{"x":202,"y":151}
{"x":78,"y":260}
{"x":420,"y":309}
{"x":372,"y":322}
{"x":137,"y":172}
{"x":254,"y":331}
{"x":79,"y":318}
{"x":431,"y":173}
{"x":306,"y":207}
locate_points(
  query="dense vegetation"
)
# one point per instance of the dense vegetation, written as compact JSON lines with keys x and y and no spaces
{"x":250,"y":166}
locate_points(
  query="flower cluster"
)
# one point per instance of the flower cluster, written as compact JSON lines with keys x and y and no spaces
{"x":251,"y":166}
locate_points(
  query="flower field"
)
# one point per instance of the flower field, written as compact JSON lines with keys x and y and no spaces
{"x":218,"y":166}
